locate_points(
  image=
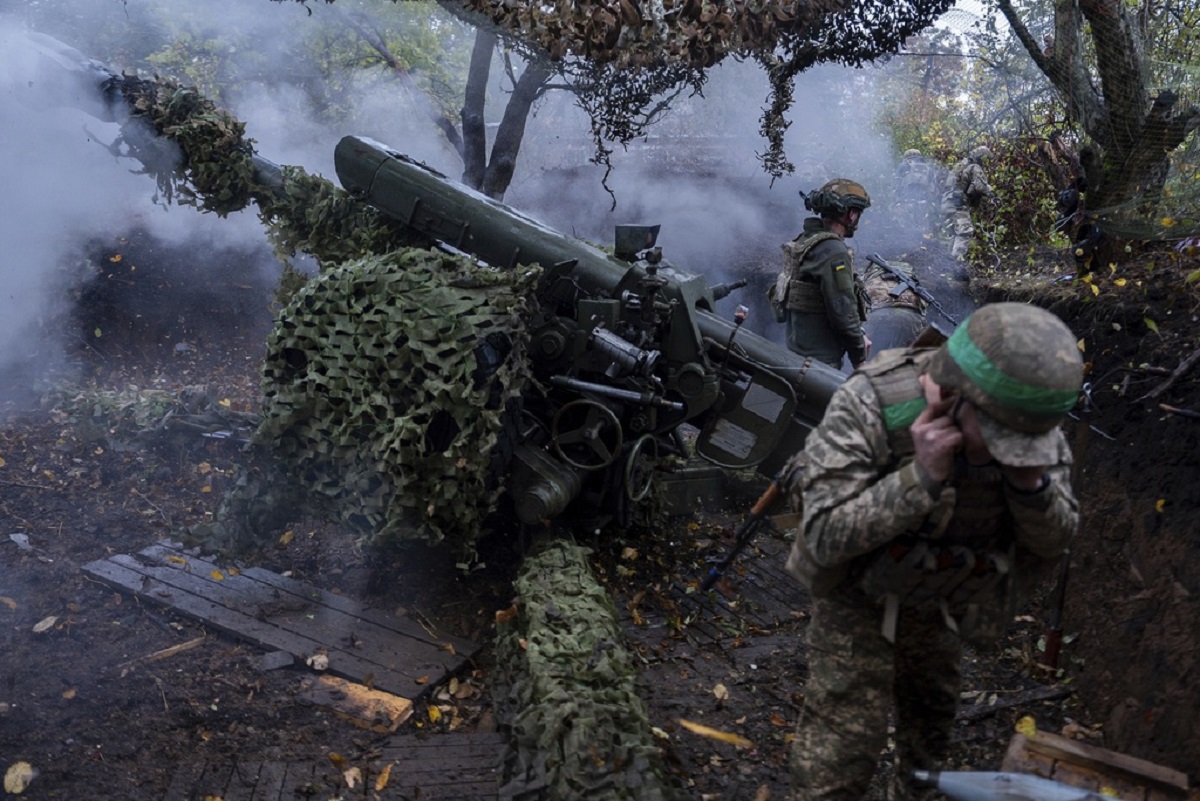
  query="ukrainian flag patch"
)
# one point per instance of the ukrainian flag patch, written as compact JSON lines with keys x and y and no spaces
{"x":839,"y":265}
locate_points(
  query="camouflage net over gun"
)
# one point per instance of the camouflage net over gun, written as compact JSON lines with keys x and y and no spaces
{"x":374,"y":396}
{"x":579,"y":729}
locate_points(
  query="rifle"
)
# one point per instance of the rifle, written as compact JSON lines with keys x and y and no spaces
{"x":746,"y":531}
{"x":907,"y":283}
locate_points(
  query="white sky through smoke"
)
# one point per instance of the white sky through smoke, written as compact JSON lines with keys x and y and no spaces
{"x":61,"y":185}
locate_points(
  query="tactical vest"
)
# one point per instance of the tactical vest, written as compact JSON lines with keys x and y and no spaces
{"x":957,"y":560}
{"x":790,"y":292}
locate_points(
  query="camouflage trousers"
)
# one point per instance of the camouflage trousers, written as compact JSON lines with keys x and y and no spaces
{"x":855,"y":678}
{"x":962,"y":231}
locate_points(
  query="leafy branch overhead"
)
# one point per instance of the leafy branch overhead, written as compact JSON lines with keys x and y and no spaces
{"x":646,"y":47}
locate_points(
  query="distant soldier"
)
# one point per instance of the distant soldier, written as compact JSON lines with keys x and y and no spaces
{"x":817,"y":293}
{"x":966,"y":189}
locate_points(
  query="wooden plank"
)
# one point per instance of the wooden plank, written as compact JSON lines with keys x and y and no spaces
{"x":183,"y":783}
{"x":341,"y":662}
{"x":357,"y":704}
{"x":242,"y":781}
{"x":397,"y":650}
{"x":269,"y":786}
{"x":1106,"y":761}
{"x":306,"y":593}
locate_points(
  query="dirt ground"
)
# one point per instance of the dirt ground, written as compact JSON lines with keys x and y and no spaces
{"x":86,"y":702}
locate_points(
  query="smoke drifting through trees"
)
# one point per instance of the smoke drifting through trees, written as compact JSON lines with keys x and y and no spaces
{"x":64,"y":188}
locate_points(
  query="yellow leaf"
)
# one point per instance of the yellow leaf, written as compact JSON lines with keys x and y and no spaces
{"x":435,"y":714}
{"x":224,"y":402}
{"x":1160,"y":504}
{"x":721,"y":692}
{"x":116,"y":258}
{"x":339,"y":761}
{"x":1095,"y":290}
{"x":97,"y":333}
{"x":206,"y":489}
{"x":18,"y":777}
{"x":286,"y":537}
{"x":178,"y":560}
{"x":1082,"y":346}
{"x":1168,"y":222}
{"x":381,"y":781}
{"x":204,"y":468}
{"x":1027,"y":726}
{"x":9,"y":602}
{"x":716,"y":734}
{"x":1,"y":461}
{"x":1109,"y":792}
{"x":352,"y":777}
{"x":1153,"y":326}
{"x":217,"y":575}
{"x":69,"y":693}
{"x":1120,"y":282}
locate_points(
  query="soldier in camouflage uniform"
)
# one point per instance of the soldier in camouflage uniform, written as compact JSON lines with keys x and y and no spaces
{"x":895,"y":313}
{"x":917,"y":190}
{"x":817,"y":293}
{"x":936,"y":493}
{"x":966,"y":189}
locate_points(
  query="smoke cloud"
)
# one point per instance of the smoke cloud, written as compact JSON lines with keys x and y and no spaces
{"x":696,"y":174}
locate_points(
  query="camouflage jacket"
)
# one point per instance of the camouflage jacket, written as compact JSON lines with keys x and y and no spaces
{"x":823,"y":309}
{"x":879,"y":284}
{"x":967,"y":185}
{"x":862,"y":492}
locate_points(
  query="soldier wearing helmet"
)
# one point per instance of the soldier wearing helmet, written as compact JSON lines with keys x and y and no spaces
{"x":966,"y":189}
{"x":935,"y":494}
{"x":817,"y":293}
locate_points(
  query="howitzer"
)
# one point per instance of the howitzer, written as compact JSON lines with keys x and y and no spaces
{"x":626,"y":350}
{"x":906,"y":283}
{"x":629,"y":346}
{"x":1001,"y":786}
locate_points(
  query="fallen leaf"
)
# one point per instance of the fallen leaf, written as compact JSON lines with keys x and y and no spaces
{"x":506,"y":615}
{"x":217,"y":575}
{"x":352,"y":777}
{"x":1160,"y":504}
{"x":779,"y":720}
{"x":177,"y":560}
{"x":339,"y":761}
{"x":45,"y":624}
{"x":224,"y":402}
{"x":9,"y":602}
{"x":1,"y":461}
{"x":18,"y":777}
{"x":69,"y":693}
{"x":204,"y":468}
{"x":435,"y":714}
{"x":381,"y":781}
{"x":286,"y":537}
{"x":629,"y":554}
{"x":318,"y":662}
{"x":1027,"y":726}
{"x":422,"y":680}
{"x":721,"y":692}
{"x":716,"y":734}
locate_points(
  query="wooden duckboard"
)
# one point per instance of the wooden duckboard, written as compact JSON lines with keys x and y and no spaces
{"x":444,"y":767}
{"x":363,"y":645}
{"x":1091,"y":768}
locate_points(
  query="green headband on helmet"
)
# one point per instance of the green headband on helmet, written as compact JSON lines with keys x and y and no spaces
{"x":1005,"y":390}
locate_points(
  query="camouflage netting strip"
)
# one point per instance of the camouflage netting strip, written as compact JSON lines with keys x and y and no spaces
{"x":567,"y":684}
{"x":364,"y":359}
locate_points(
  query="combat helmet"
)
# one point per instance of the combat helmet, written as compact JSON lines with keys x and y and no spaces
{"x":837,"y":197}
{"x":1020,"y":366}
{"x":912,"y":153}
{"x":980,"y":154}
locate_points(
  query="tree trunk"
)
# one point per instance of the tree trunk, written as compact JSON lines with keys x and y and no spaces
{"x":474,"y":128}
{"x":507,"y":146}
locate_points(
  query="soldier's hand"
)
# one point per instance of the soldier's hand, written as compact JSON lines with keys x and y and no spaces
{"x":936,"y":437}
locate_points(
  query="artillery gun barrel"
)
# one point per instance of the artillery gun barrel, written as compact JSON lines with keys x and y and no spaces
{"x":464,"y":219}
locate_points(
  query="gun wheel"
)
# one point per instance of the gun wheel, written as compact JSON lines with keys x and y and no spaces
{"x":586,"y":435}
{"x":639,"y":467}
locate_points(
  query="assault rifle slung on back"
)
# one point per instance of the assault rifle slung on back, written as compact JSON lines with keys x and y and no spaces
{"x":907,"y":283}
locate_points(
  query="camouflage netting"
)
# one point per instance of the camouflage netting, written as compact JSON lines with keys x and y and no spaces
{"x":374,"y":403}
{"x":578,"y":727}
